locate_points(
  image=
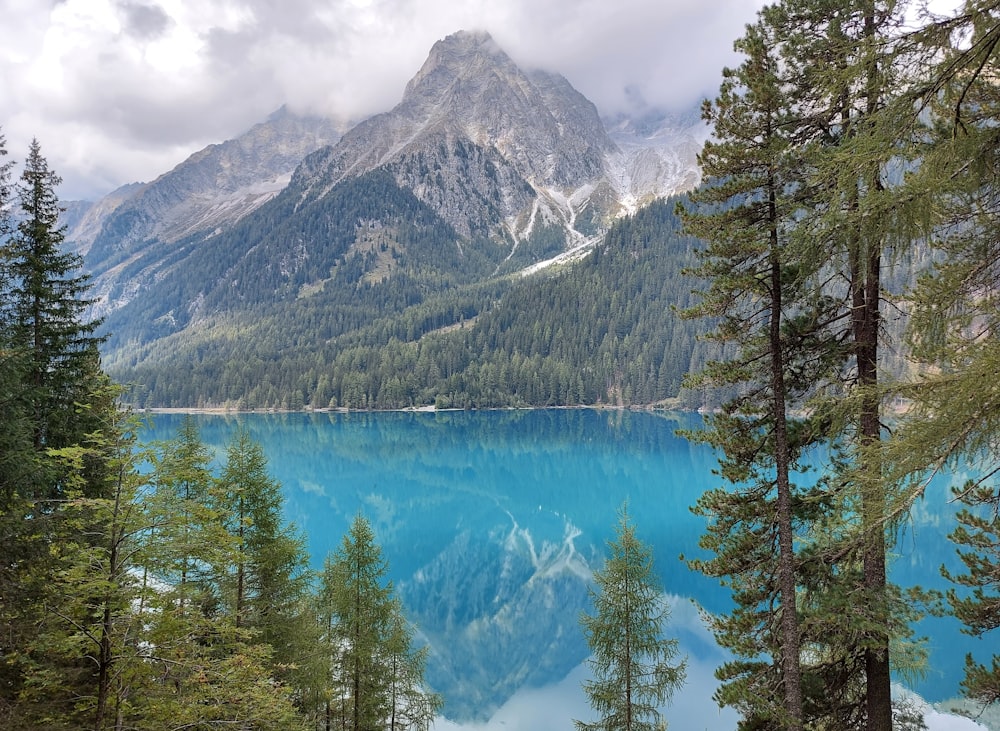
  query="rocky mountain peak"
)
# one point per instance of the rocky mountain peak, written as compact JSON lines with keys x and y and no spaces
{"x":461,"y":55}
{"x":486,"y":144}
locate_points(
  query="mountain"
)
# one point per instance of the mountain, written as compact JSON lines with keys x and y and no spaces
{"x":211,"y":190}
{"x":501,"y":153}
{"x":409,"y":223}
{"x":656,"y":156}
{"x":493,"y":149}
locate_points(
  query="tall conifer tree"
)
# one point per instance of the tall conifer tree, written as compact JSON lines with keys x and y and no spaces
{"x":839,"y":232}
{"x":267,"y":579}
{"x":376,"y":677}
{"x":47,"y":301}
{"x":842,"y":65}
{"x":955,"y":401}
{"x":759,"y":296}
{"x":635,"y":666}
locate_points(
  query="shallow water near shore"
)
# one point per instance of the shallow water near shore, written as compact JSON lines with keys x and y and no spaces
{"x":491,"y":522}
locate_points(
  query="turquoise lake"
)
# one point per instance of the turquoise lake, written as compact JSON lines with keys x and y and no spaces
{"x":491,"y":522}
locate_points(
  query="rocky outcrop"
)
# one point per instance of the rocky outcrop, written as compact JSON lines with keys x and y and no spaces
{"x":478,"y":139}
{"x":214,"y":187}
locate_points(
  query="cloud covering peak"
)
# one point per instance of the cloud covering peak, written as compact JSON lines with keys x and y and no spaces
{"x":122,"y":90}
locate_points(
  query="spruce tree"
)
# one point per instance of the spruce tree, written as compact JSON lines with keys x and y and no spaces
{"x":635,"y":666}
{"x":54,"y":399}
{"x":47,"y":304}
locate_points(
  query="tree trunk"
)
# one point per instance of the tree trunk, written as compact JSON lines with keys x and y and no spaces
{"x":790,"y":660}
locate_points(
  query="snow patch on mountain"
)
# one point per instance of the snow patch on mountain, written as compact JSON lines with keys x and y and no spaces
{"x":654,"y":163}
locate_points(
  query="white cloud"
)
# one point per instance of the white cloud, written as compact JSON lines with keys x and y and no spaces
{"x":122,"y":90}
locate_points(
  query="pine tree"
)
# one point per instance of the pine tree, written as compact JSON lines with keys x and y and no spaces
{"x":743,"y":212}
{"x":634,"y":665}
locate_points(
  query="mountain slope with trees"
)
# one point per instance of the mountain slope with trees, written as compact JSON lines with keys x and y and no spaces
{"x":602,"y":330}
{"x":481,"y":170}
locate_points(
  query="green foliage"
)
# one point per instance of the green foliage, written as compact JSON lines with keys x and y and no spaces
{"x":376,"y":677}
{"x":266,"y":584}
{"x":600,"y":331}
{"x":978,"y":605}
{"x":954,"y":400}
{"x":635,"y":667}
{"x":138,"y":589}
{"x":46,"y":304}
{"x":59,"y":461}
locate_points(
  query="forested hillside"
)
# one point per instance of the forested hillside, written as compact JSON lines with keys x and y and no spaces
{"x":602,"y":330}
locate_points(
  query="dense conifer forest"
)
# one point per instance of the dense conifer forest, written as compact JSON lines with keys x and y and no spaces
{"x":604,"y":330}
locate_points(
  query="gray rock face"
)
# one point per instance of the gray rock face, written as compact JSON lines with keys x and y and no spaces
{"x":213,"y":187}
{"x":498,"y":152}
{"x":478,"y":139}
{"x":656,"y":157}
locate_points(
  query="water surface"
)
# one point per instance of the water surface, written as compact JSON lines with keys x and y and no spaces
{"x":491,"y":522}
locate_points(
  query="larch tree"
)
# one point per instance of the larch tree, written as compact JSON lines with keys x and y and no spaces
{"x":376,"y":676}
{"x":94,"y":632}
{"x":212,"y":667}
{"x":266,"y":581}
{"x":411,"y":705}
{"x":954,"y":415}
{"x":635,"y":666}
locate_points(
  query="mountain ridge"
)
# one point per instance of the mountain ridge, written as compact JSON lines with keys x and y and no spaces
{"x":480,"y":171}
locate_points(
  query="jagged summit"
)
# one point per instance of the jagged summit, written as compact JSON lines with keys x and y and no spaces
{"x":482,"y":168}
{"x":507,"y":147}
{"x":458,"y":52}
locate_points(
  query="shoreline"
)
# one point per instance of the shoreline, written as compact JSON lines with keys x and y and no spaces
{"x":222,"y":411}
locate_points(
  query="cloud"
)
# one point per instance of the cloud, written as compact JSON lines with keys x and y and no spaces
{"x":146,"y":22}
{"x":123,"y":90}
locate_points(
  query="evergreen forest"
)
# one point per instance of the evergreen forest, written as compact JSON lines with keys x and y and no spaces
{"x":601,"y":331}
{"x":833,"y":282}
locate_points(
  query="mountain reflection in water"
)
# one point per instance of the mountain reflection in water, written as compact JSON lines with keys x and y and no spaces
{"x":491,"y":522}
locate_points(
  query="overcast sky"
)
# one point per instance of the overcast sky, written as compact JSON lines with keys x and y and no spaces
{"x":119,"y":91}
